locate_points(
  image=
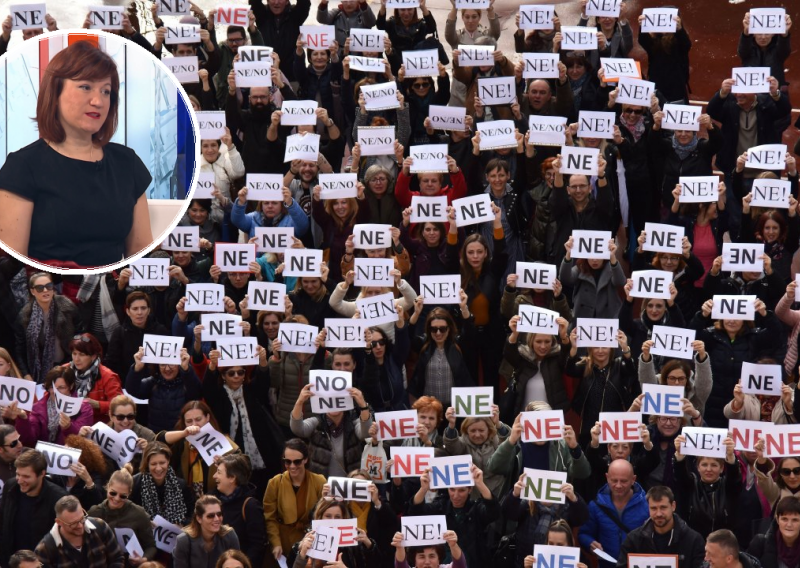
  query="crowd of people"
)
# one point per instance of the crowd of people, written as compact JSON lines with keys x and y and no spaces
{"x":253,"y":506}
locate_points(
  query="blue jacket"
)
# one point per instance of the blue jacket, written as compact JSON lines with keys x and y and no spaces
{"x":248,"y":222}
{"x":602,"y":529}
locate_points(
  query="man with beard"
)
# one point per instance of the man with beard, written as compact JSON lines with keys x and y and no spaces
{"x":260,"y":153}
{"x":279,"y":22}
{"x":664,"y":533}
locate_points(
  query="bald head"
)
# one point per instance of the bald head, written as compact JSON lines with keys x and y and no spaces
{"x":620,"y":478}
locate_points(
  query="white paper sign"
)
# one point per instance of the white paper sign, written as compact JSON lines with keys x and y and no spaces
{"x":535,"y":275}
{"x":673,"y":342}
{"x":28,"y":16}
{"x":708,"y":442}
{"x":659,"y":20}
{"x":105,"y":17}
{"x":302,"y":262}
{"x":183,"y":239}
{"x":473,"y":210}
{"x":205,"y":298}
{"x":698,"y":189}
{"x":660,"y":237}
{"x":761,"y":379}
{"x":366,"y":41}
{"x":651,"y":284}
{"x":429,"y":158}
{"x":540,"y":66}
{"x":734,"y":307}
{"x":472,"y":4}
{"x":377,"y":309}
{"x":591,"y":244}
{"x":742,"y":257}
{"x":451,"y":471}
{"x":475,"y":55}
{"x":578,"y":37}
{"x":372,"y":236}
{"x":119,"y":446}
{"x":165,"y":534}
{"x":297,"y":337}
{"x":136,"y":401}
{"x":367,"y":64}
{"x":447,"y":117}
{"x":211,"y":123}
{"x":253,"y":74}
{"x":232,"y":15}
{"x":536,"y":17}
{"x":409,"y":461}
{"x":298,"y":113}
{"x":634,"y":92}
{"x":330,"y":383}
{"x":681,"y":117}
{"x":566,"y":556}
{"x":17,"y":390}
{"x":374,"y":272}
{"x":593,"y":124}
{"x":234,"y":257}
{"x":303,"y":146}
{"x":542,"y":425}
{"x":173,"y":7}
{"x":316,"y":37}
{"x":209,"y":443}
{"x":578,"y":160}
{"x":496,"y":90}
{"x":547,"y":130}
{"x":782,"y":440}
{"x":206,"y":184}
{"x":396,"y":425}
{"x":128,"y":541}
{"x":162,"y":349}
{"x":399,"y":4}
{"x":264,"y":187}
{"x":69,"y":405}
{"x":767,"y":157}
{"x":615,"y":67}
{"x":273,"y":239}
{"x":380,"y":96}
{"x":603,"y":8}
{"x":338,"y":186}
{"x":326,"y":544}
{"x":344,"y":332}
{"x":767,"y":21}
{"x":533,"y":319}
{"x":348,"y":529}
{"x":543,"y":485}
{"x":771,"y":193}
{"x":270,"y":296}
{"x":750,"y":80}
{"x":182,"y":33}
{"x":423,"y":530}
{"x":662,"y":400}
{"x":220,"y":326}
{"x":745,"y":433}
{"x":421,"y":63}
{"x":597,"y":332}
{"x":350,"y":489}
{"x":472,"y":402}
{"x":376,"y":140}
{"x":255,"y":54}
{"x":620,"y":427}
{"x":428,"y":209}
{"x":497,"y":134}
{"x":440,"y":289}
{"x":59,"y":458}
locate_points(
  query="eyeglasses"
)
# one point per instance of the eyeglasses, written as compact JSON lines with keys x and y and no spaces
{"x":82,"y":338}
{"x":633,"y":111}
{"x":213,"y":515}
{"x":76,"y":523}
{"x":378,"y":343}
{"x":121,"y":417}
{"x":13,"y":444}
{"x":676,"y":378}
{"x":287,"y":462}
{"x":42,"y":287}
{"x":239,"y":373}
{"x":421,"y":85}
{"x":236,"y":40}
{"x":439,"y":329}
{"x":785,"y":471}
{"x":579,"y":186}
{"x":123,"y":496}
{"x":669,"y":419}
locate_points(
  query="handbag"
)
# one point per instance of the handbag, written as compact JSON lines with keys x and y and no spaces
{"x":508,"y":401}
{"x":373,"y":461}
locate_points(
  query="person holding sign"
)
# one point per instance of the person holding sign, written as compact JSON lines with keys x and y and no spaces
{"x":94,"y":381}
{"x":337,"y":219}
{"x":90,"y":472}
{"x":206,"y":538}
{"x":755,"y":407}
{"x":678,"y":373}
{"x":731,"y":342}
{"x":286,"y":213}
{"x":349,"y":309}
{"x":655,"y":311}
{"x":77,"y":116}
{"x":27,"y":34}
{"x":552,"y":298}
{"x":383,"y":366}
{"x":594,"y":282}
{"x":765,"y":49}
{"x":420,"y":94}
{"x":397,"y":252}
{"x":432,"y":556}
{"x":324,"y":69}
{"x":779,"y":234}
{"x":791,"y":319}
{"x":159,"y":490}
{"x":226,"y":165}
{"x":616,"y":39}
{"x":472,"y":76}
{"x":669,"y":57}
{"x":405,"y":29}
{"x":710,"y":495}
{"x":347,"y":16}
{"x":208,"y":216}
{"x":48,"y":420}
{"x":427,"y":243}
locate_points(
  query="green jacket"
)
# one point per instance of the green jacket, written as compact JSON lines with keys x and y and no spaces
{"x":130,"y":516}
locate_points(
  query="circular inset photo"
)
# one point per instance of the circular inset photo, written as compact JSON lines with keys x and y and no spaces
{"x":98,"y":151}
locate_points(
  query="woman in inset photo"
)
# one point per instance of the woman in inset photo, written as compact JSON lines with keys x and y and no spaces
{"x":72,"y":198}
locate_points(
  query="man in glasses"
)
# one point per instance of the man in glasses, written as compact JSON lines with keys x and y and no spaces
{"x":79,"y":540}
{"x":27,"y":507}
{"x":10,"y":449}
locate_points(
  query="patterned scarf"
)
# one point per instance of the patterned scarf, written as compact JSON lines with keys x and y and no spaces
{"x":683,"y":150}
{"x":53,"y":419}
{"x":41,"y":341}
{"x":85,"y":380}
{"x":174,"y":507}
{"x":240,"y":409}
{"x":635,"y":127}
{"x":547,"y":514}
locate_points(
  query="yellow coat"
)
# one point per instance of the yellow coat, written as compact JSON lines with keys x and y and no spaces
{"x":280,"y":509}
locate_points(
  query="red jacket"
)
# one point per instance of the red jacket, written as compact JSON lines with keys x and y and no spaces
{"x":106,"y":388}
{"x":403,"y":193}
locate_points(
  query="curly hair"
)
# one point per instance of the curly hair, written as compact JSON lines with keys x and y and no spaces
{"x":91,"y":456}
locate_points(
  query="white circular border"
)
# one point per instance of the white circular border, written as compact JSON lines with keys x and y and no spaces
{"x":158,"y":240}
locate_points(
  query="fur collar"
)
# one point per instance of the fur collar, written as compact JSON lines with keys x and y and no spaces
{"x":88,"y":526}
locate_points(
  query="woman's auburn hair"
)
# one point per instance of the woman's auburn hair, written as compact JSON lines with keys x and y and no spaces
{"x":200,"y":506}
{"x":81,"y":61}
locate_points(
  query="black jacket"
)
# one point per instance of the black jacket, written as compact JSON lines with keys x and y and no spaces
{"x":521,"y":358}
{"x":280,"y":32}
{"x":668,"y":69}
{"x":765,"y":546}
{"x":774,"y":56}
{"x":462,"y":377}
{"x":68,"y":323}
{"x":125,"y":343}
{"x":684,"y":541}
{"x":704,"y":507}
{"x":245,"y":514}
{"x":43,"y":516}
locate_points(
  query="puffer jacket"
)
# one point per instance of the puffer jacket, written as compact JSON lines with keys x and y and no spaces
{"x":522,"y":359}
{"x":698,"y":387}
{"x":704,"y":507}
{"x":601,"y":527}
{"x":166,"y":398}
{"x":593,"y":298}
{"x":320,"y":447}
{"x":289,"y":376}
{"x":247,"y":222}
{"x":456,"y":445}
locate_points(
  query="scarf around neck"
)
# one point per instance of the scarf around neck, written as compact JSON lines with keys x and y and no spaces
{"x":85,"y":380}
{"x":240,"y":411}
{"x":174,"y":507}
{"x":635,"y":127}
{"x":41,"y":341}
{"x":683,"y":150}
{"x":789,"y":555}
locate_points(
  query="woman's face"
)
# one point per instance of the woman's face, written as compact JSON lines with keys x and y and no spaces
{"x":428,"y":419}
{"x":655,"y":309}
{"x":576,"y":70}
{"x":271,"y":209}
{"x":431,"y":235}
{"x":61,"y":386}
{"x":379,"y":184}
{"x":606,"y":23}
{"x":600,"y":355}
{"x":596,"y":263}
{"x":270,"y":325}
{"x":789,"y":474}
{"x":684,"y":136}
{"x":311,"y":285}
{"x":669,"y":262}
{"x":789,"y":525}
{"x":378,"y":345}
{"x":771,"y":231}
{"x":225,"y":485}
{"x":138,"y":312}
{"x":211,"y":521}
{"x":210,"y":149}
{"x":497,"y":178}
{"x":709,"y":469}
{"x":542,"y":344}
{"x":439,"y":330}
{"x":619,"y":451}
{"x":123,"y":417}
{"x":762,"y":40}
{"x":557,"y":539}
{"x":333,"y":513}
{"x":82,"y":361}
{"x":168,"y":372}
{"x":234,"y":377}
{"x":732,"y":327}
{"x":478,"y":432}
{"x":294,"y":461}
{"x":83,"y":106}
{"x":182,"y":258}
{"x":376,"y":253}
{"x":195,"y":417}
{"x":407,"y":15}
{"x":197,"y":215}
{"x":550,"y":177}
{"x":44,"y":293}
{"x":370,"y":291}
{"x":471,"y":19}
{"x":476,"y":253}
{"x":668,"y":426}
{"x":117,"y":494}
{"x":5,"y":368}
{"x":319,"y":59}
{"x":341,"y":208}
{"x":676,"y":378}
{"x":158,"y":467}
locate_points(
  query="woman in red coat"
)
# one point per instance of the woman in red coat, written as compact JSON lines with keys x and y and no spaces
{"x":95,"y":382}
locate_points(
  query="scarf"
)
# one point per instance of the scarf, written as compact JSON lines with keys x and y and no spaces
{"x":53,"y":422}
{"x":240,"y":410}
{"x":41,"y":341}
{"x":85,"y":380}
{"x":789,"y":555}
{"x":174,"y":507}
{"x":547,"y":514}
{"x":577,"y":89}
{"x":684,"y":150}
{"x":361,"y":512}
{"x":635,"y":127}
{"x":107,"y":312}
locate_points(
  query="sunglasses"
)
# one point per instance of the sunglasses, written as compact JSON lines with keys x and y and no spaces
{"x":42,"y":287}
{"x":121,"y":417}
{"x":787,"y":472}
{"x":239,"y":373}
{"x":81,"y":338}
{"x":213,"y":515}
{"x":633,"y":111}
{"x":439,"y":329}
{"x":378,"y":343}
{"x":13,"y":444}
{"x":287,"y":462}
{"x":421,"y":85}
{"x":123,"y":496}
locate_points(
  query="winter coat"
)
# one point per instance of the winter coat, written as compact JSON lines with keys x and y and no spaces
{"x":774,"y":56}
{"x":383,"y":385}
{"x":684,"y":280}
{"x":698,"y":387}
{"x":164,"y":404}
{"x":705,"y":509}
{"x":320,"y":444}
{"x":68,"y":323}
{"x":99,"y":549}
{"x":405,"y":38}
{"x":668,"y":69}
{"x":765,"y":477}
{"x":684,"y":541}
{"x":601,"y":528}
{"x":130,"y":516}
{"x":314,"y":84}
{"x":457,"y":445}
{"x":284,"y":527}
{"x":294,"y":216}
{"x":125,"y":343}
{"x":191,"y":552}
{"x":470,"y":76}
{"x":289,"y":376}
{"x":462,"y":377}
{"x":105,"y":388}
{"x":425,"y":257}
{"x":316,"y":311}
{"x":543,"y":226}
{"x":363,"y":17}
{"x":765,"y":547}
{"x":523,"y":360}
{"x":641,"y":329}
{"x":281,"y":30}
{"x":768,"y":288}
{"x":43,"y":514}
{"x":593,"y":298}
{"x":245,"y":515}
{"x":35,"y":427}
{"x":597,"y":216}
